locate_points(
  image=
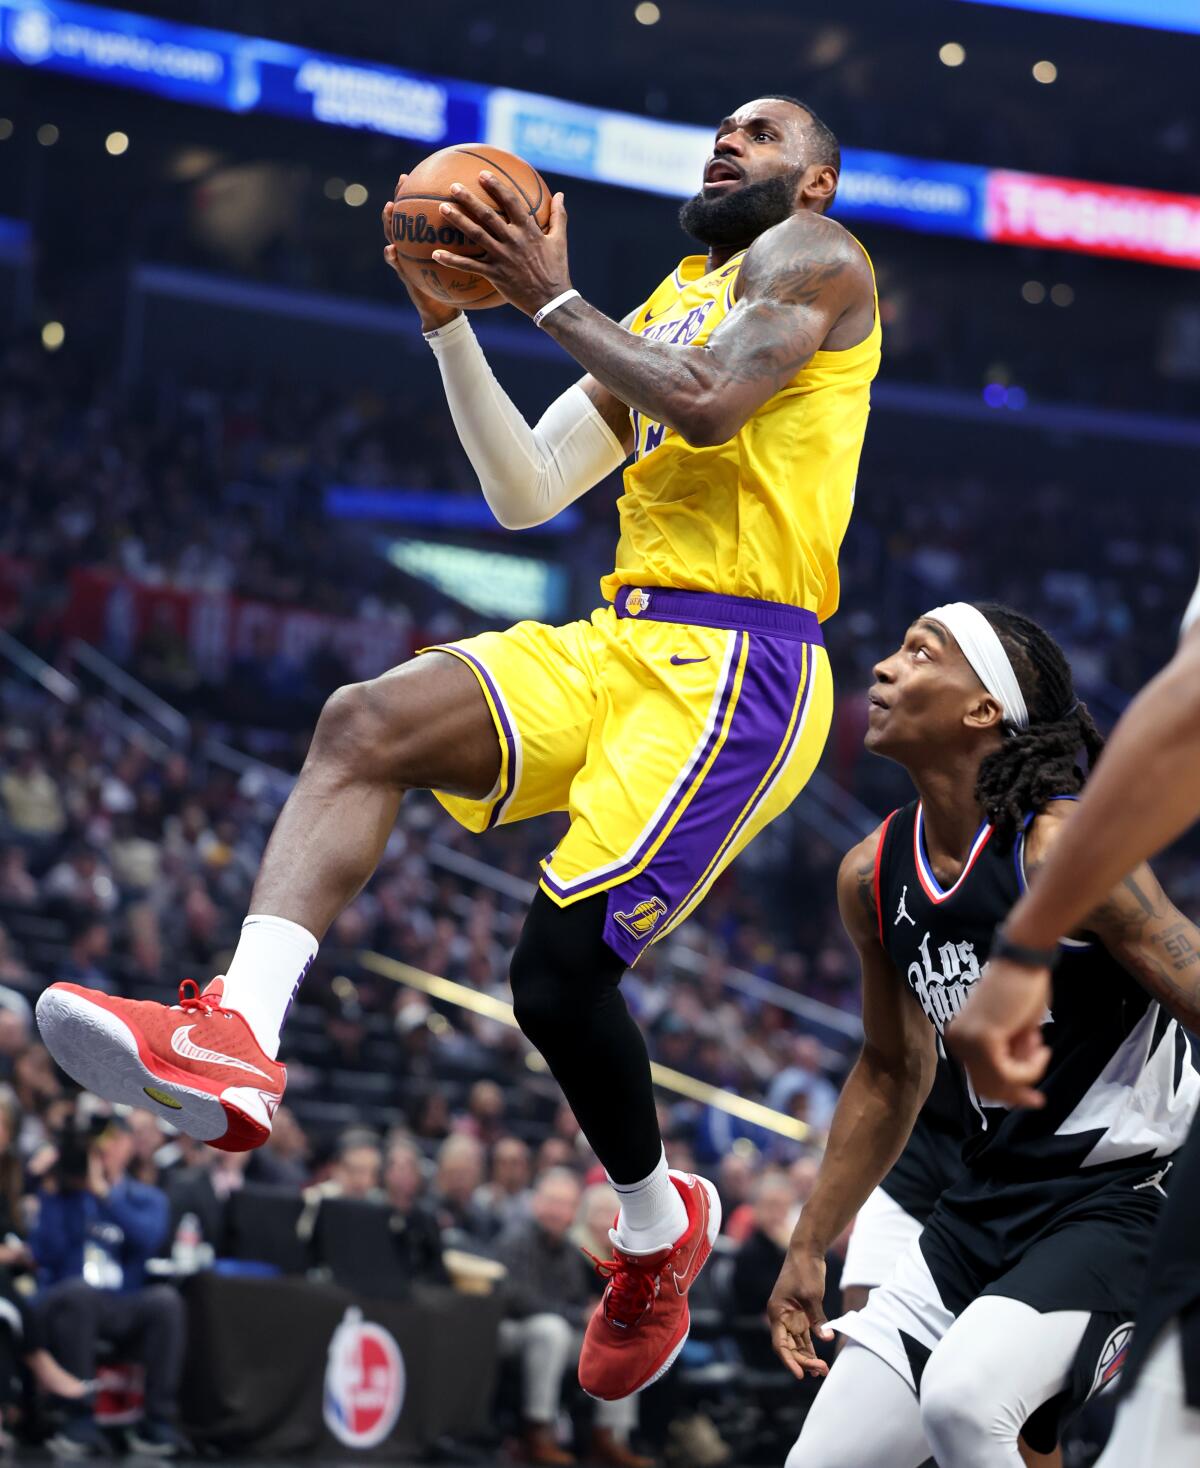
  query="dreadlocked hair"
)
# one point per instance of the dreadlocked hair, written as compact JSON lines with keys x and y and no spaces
{"x":1035,"y":764}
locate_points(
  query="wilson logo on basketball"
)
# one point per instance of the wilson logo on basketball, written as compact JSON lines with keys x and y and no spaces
{"x":415,"y":229}
{"x":364,"y":1382}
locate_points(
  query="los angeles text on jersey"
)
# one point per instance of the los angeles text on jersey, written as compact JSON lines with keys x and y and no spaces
{"x":942,"y":991}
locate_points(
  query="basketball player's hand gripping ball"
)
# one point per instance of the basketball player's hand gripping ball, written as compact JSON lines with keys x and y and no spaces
{"x":508,"y":247}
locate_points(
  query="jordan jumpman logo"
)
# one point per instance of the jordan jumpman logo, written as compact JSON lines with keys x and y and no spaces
{"x":902,"y":910}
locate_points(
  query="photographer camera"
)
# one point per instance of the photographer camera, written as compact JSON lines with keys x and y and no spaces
{"x":96,"y":1228}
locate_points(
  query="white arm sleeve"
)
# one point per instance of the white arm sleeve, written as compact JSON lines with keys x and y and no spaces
{"x":527,"y":474}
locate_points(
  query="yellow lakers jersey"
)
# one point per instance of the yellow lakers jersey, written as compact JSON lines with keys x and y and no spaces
{"x":762,"y":515}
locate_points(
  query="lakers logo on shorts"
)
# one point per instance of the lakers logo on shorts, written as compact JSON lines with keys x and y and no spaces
{"x":644,"y":917}
{"x":637,"y":601}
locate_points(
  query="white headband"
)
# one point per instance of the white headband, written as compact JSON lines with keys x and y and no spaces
{"x":981,"y":647}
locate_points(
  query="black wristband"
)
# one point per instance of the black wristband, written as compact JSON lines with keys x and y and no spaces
{"x":1004,"y":947}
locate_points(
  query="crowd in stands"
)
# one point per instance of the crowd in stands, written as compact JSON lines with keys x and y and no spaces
{"x":106,"y":1212}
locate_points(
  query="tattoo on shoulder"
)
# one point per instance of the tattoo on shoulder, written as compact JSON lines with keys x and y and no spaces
{"x":795,"y":282}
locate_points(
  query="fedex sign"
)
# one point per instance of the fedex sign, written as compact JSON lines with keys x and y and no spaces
{"x":1095,"y":219}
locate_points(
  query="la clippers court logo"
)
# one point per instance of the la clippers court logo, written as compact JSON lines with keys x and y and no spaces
{"x":364,"y":1382}
{"x":1112,"y":1358}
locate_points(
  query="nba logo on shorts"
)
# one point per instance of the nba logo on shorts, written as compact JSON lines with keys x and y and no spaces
{"x":643,"y":918}
{"x":364,"y":1382}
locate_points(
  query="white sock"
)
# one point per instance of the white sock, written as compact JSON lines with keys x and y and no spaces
{"x":652,"y":1215}
{"x":271,"y":959}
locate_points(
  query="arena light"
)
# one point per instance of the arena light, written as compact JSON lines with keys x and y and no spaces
{"x":116,"y":144}
{"x":1062,"y":295}
{"x":237,"y":73}
{"x":47,"y":135}
{"x":1167,"y":15}
{"x":952,"y":54}
{"x":1045,"y":72}
{"x":355,"y":195}
{"x":53,"y":335}
{"x":647,"y":13}
{"x":1034,"y":292}
{"x":462,"y":996}
{"x":6,"y":129}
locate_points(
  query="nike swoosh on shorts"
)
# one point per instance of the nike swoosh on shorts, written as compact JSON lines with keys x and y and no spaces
{"x":678,"y":661}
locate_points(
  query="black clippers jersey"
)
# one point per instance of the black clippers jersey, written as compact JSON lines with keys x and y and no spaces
{"x":1120,"y":1087}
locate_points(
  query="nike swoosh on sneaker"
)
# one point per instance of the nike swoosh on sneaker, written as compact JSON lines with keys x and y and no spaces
{"x":678,"y":661}
{"x":681,"y":1284}
{"x":182,"y":1045}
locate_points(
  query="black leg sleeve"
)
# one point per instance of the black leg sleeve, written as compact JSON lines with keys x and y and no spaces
{"x":565,"y":982}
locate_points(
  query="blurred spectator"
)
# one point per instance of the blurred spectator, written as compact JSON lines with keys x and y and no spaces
{"x":484,"y":1116}
{"x":759,"y":1260}
{"x":32,"y":801}
{"x":36,"y":1083}
{"x":735,"y":1178}
{"x":283,"y":1161}
{"x":598,"y":1208}
{"x":555,"y":1152}
{"x":95,"y":1231}
{"x":414,"y":1227}
{"x":804,"y":1077}
{"x":17,"y":885}
{"x":455,"y":1184}
{"x":357,"y":1168}
{"x":148,"y":1143}
{"x":549,"y":1299}
{"x":15,"y":1027}
{"x":19,"y":1335}
{"x":203,"y":1190}
{"x":504,"y":1198}
{"x":81,"y":882}
{"x":90,"y":943}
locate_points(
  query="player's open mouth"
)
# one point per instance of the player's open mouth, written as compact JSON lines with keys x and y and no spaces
{"x":875,"y":701}
{"x":721,"y":173}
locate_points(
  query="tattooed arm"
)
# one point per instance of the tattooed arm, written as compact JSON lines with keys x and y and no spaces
{"x":874,"y":1117}
{"x":803,"y":282}
{"x":1138,"y":924}
{"x":797,"y":282}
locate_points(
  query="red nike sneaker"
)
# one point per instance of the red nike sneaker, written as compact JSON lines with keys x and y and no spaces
{"x":197,"y":1062}
{"x":640,"y":1325}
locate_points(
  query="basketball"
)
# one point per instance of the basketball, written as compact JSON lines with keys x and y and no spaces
{"x":419,"y":228}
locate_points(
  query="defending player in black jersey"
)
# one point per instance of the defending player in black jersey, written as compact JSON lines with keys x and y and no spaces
{"x":1016,"y":1301}
{"x":892,"y":1218}
{"x":1146,"y":795}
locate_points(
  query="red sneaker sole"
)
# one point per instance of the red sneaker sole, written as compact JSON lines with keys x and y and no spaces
{"x":105,"y":1055}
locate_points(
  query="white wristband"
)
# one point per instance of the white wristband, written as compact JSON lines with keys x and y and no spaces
{"x":553,"y":305}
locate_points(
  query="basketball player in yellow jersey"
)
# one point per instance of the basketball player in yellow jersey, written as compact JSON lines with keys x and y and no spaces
{"x":685,"y":714}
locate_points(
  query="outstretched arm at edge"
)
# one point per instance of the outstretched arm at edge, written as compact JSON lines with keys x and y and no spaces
{"x":874,"y":1117}
{"x":1145,"y":793}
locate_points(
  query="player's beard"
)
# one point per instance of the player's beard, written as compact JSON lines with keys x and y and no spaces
{"x":740,"y":216}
